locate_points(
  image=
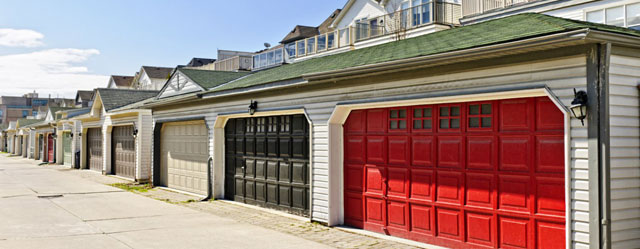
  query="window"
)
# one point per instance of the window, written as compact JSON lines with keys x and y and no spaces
{"x":614,"y":16}
{"x":398,"y":119}
{"x":633,"y":16}
{"x":278,"y":56}
{"x":25,"y":113}
{"x":271,"y":58}
{"x":291,"y":50}
{"x":449,"y":117}
{"x":322,"y":42}
{"x":301,"y":48}
{"x":39,"y":102}
{"x":422,"y":118}
{"x":331,"y":40}
{"x":263,"y":60}
{"x":34,"y":113}
{"x":623,"y":16}
{"x":311,"y":45}
{"x":1,"y":114}
{"x":480,"y":116}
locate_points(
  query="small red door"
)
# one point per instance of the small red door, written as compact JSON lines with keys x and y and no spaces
{"x":460,"y":175}
{"x":50,"y":156}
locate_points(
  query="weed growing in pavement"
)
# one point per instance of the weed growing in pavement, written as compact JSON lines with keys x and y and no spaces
{"x":133,"y":187}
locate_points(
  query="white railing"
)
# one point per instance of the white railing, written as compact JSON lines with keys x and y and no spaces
{"x":396,"y":23}
{"x":473,"y":7}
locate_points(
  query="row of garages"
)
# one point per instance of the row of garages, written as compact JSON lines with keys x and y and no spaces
{"x":472,"y":148}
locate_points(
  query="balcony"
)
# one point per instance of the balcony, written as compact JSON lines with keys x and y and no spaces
{"x":395,"y":25}
{"x":474,"y":7}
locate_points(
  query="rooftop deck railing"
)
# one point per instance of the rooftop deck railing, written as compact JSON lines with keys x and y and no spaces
{"x":473,"y":7}
{"x":396,"y":24}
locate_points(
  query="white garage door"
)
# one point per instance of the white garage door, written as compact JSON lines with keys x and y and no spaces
{"x":185,"y":152}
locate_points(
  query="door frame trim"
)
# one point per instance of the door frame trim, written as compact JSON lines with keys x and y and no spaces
{"x":341,"y":113}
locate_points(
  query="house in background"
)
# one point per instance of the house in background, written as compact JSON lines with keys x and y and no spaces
{"x":13,"y":108}
{"x":84,"y":98}
{"x":232,"y":61}
{"x":151,"y":78}
{"x":121,"y":82}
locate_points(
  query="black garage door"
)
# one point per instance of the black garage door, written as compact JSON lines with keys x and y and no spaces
{"x":267,"y":162}
{"x":94,"y":149}
{"x":124,"y":151}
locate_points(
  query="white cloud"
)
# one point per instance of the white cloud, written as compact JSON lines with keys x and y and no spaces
{"x":52,"y":71}
{"x":20,"y":38}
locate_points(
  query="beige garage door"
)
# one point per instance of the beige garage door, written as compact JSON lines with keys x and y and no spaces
{"x":185,"y":152}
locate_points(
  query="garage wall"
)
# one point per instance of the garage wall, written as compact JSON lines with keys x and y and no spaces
{"x":625,"y":149}
{"x":144,"y":145}
{"x":560,"y":75}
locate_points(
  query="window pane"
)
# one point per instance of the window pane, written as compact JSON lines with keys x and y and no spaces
{"x":394,"y":114}
{"x":311,"y":45}
{"x":486,"y":122}
{"x":417,"y":124}
{"x":444,"y":111}
{"x":455,"y":123}
{"x":426,"y":124}
{"x":322,"y":42}
{"x":256,"y":61}
{"x":271,"y":58}
{"x":474,"y":109}
{"x":291,"y":50}
{"x":615,"y":16}
{"x":393,"y":125}
{"x":417,"y":113}
{"x":427,"y":112}
{"x":278,"y":54}
{"x":331,"y":40}
{"x":444,"y":123}
{"x":455,"y":111}
{"x":486,"y":108}
{"x":595,"y":16}
{"x":263,"y":60}
{"x":403,"y":124}
{"x":474,"y":122}
{"x":301,"y":48}
{"x":633,"y":14}
{"x":403,"y":113}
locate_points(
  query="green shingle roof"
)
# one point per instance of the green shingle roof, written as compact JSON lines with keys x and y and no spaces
{"x":24,"y":122}
{"x":512,"y":28}
{"x":115,"y":98}
{"x":208,"y":79}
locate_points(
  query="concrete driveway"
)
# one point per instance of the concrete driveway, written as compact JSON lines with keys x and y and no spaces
{"x":93,"y":215}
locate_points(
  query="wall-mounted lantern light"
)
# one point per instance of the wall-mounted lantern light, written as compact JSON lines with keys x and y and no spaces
{"x":579,"y":105}
{"x":71,"y":134}
{"x":253,"y":107}
{"x":54,"y":136}
{"x":134,"y":133}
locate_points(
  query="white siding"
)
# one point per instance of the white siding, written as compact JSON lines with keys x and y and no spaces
{"x":625,"y":151}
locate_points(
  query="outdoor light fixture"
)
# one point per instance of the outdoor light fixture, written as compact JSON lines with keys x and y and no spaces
{"x":252,"y":107}
{"x":579,"y":105}
{"x":134,"y":133}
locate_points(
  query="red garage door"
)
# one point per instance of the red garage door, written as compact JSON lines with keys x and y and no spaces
{"x":486,"y":174}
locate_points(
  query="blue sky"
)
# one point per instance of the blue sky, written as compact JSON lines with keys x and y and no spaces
{"x":99,"y":38}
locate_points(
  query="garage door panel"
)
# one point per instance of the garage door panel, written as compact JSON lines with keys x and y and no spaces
{"x":514,"y":192}
{"x":124,"y":151}
{"x":422,"y":185}
{"x":480,"y":228}
{"x":449,"y":223}
{"x":481,"y":152}
{"x":271,"y":162}
{"x":423,"y":150}
{"x":450,"y":152}
{"x":514,"y":232}
{"x":482,"y":174}
{"x":550,"y":154}
{"x":550,"y":196}
{"x":515,"y":153}
{"x":94,"y":142}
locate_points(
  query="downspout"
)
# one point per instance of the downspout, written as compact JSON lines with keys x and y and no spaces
{"x":209,"y":180}
{"x":604,"y":54}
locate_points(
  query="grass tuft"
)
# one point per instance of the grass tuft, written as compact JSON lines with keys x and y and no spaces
{"x":133,"y":187}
